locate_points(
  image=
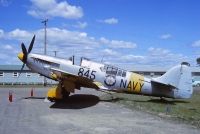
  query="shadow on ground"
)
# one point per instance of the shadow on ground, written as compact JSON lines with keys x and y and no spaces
{"x":80,"y":101}
{"x":163,"y":101}
{"x":42,"y":98}
{"x":77,"y":101}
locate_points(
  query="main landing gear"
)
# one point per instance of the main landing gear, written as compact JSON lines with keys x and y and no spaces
{"x":57,"y":93}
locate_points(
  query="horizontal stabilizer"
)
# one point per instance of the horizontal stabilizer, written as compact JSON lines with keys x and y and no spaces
{"x":161,"y":85}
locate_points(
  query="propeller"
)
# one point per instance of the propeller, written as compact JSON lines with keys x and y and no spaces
{"x":23,"y":56}
{"x":31,"y":44}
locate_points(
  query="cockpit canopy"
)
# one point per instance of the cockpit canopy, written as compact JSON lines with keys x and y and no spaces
{"x":111,"y":70}
{"x":108,"y":69}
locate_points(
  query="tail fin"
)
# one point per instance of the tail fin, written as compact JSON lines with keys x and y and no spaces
{"x":180,"y":78}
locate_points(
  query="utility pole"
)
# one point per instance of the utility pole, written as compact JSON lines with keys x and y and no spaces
{"x":55,"y":52}
{"x":45,"y":43}
{"x":45,"y":35}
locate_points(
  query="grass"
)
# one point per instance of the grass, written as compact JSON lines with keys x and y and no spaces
{"x":187,"y":111}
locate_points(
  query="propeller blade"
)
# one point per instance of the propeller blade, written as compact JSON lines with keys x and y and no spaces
{"x":21,"y":69}
{"x":31,"y":44}
{"x":24,"y":52}
{"x":24,"y":49}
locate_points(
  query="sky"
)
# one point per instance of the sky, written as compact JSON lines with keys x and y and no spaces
{"x":124,"y":33}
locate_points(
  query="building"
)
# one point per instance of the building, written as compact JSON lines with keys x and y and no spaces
{"x":9,"y":74}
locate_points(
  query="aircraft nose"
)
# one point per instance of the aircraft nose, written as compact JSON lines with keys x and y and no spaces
{"x":20,"y":56}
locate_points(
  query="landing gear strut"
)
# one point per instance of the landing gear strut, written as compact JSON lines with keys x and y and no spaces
{"x":64,"y":93}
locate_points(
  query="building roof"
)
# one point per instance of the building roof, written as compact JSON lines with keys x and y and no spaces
{"x":159,"y":69}
{"x":13,"y":67}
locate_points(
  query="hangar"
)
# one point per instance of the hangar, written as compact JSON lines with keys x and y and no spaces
{"x":9,"y":74}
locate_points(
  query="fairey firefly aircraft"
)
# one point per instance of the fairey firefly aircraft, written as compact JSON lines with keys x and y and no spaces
{"x":175,"y":83}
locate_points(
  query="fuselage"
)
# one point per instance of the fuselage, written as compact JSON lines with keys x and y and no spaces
{"x":112,"y":78}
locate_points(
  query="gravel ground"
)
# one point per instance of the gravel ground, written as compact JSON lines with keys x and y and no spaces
{"x":84,"y":112}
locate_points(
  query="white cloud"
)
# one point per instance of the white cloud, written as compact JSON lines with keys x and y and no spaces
{"x":80,"y":44}
{"x":110,"y":21}
{"x":153,"y":57}
{"x":8,"y":47}
{"x":196,"y":43}
{"x":52,"y":8}
{"x":81,"y":25}
{"x":166,"y":36}
{"x":110,"y":52}
{"x":3,"y":56}
{"x":132,"y":58}
{"x":68,"y":42}
{"x":117,"y":43}
{"x":5,"y":2}
{"x":104,"y":40}
{"x":1,"y":33}
{"x":19,"y":34}
{"x":64,"y":38}
{"x":163,"y":57}
{"x":158,"y":51}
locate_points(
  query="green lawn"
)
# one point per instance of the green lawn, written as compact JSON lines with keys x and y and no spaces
{"x":182,"y":110}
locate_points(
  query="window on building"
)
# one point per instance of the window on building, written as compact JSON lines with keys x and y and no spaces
{"x":141,"y":73}
{"x":1,"y":74}
{"x":159,"y":73}
{"x":15,"y":74}
{"x":196,"y":73}
{"x":28,"y":74}
{"x":146,"y":73}
{"x":152,"y":74}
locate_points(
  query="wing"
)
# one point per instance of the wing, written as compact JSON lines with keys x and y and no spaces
{"x":100,"y":85}
{"x":61,"y":73}
{"x":78,"y":80}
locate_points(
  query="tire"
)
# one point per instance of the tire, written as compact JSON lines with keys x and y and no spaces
{"x":51,"y":99}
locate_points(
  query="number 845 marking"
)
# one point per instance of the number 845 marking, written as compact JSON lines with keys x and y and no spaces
{"x":87,"y":73}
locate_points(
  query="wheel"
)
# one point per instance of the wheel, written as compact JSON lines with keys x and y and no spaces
{"x":51,"y":99}
{"x":65,"y":94}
